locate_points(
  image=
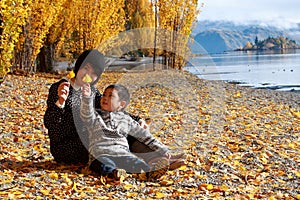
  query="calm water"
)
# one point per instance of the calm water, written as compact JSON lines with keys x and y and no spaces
{"x":278,"y":70}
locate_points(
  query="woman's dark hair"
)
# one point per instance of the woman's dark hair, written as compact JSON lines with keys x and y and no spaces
{"x":123,"y":93}
{"x":94,"y":58}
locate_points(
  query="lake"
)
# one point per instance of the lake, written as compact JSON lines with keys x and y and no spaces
{"x":279,"y":70}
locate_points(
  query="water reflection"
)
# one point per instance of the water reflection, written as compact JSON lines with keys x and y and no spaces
{"x":275,"y":69}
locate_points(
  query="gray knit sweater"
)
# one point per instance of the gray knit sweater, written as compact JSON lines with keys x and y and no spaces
{"x":108,"y":132}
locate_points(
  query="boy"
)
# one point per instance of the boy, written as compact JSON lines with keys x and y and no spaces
{"x":108,"y":129}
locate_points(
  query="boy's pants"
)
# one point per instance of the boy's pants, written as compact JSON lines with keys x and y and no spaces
{"x":106,"y":164}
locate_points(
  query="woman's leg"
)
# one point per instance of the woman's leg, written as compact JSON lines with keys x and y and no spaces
{"x":141,"y":150}
{"x":149,"y":156}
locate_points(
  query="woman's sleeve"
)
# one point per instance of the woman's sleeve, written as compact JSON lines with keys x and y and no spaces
{"x":53,"y":114}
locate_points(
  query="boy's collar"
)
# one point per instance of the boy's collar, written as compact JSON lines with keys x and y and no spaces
{"x":104,"y":111}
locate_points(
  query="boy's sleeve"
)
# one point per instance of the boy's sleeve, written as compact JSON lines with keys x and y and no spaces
{"x":87,"y":110}
{"x":144,"y":136}
{"x":89,"y":116}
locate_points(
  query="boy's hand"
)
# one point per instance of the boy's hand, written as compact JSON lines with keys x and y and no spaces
{"x":86,"y":90}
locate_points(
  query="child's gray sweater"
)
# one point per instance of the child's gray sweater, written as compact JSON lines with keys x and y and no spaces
{"x":108,"y":132}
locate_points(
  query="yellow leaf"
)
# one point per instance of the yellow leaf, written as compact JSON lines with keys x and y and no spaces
{"x":292,"y":145}
{"x":210,"y":186}
{"x":131,"y":194}
{"x":45,"y":192}
{"x":160,"y":195}
{"x":237,"y":94}
{"x":103,"y":180}
{"x":182,"y":167}
{"x":69,"y":181}
{"x":297,"y":114}
{"x":87,"y":79}
{"x":298,"y":196}
{"x":128,"y":186}
{"x":74,"y":186}
{"x":224,"y":188}
{"x":71,"y":75}
{"x":166,"y":182}
{"x":53,"y":175}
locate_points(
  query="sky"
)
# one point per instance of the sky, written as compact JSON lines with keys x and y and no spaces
{"x":283,"y":13}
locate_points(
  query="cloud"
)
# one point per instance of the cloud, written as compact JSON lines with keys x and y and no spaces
{"x":283,"y":13}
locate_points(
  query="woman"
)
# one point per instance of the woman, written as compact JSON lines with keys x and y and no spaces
{"x":67,"y":138}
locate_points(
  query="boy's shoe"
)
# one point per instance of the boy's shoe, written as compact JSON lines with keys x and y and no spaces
{"x":118,"y":174}
{"x":176,"y":163}
{"x":178,"y":156}
{"x":158,"y":169}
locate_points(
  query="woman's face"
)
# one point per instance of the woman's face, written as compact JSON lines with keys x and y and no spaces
{"x":86,"y":69}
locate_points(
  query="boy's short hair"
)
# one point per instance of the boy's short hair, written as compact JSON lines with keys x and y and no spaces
{"x":123,"y":92}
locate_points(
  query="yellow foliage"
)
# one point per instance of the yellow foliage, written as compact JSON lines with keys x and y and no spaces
{"x":178,"y":17}
{"x":13,"y":15}
{"x":97,"y":21}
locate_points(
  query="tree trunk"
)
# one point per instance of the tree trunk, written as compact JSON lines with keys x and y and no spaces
{"x":46,"y":57}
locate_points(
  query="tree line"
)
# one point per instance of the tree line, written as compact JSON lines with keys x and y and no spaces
{"x":35,"y":33}
{"x":270,"y":43}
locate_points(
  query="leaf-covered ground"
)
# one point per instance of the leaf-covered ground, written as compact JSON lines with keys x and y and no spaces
{"x":240,"y":143}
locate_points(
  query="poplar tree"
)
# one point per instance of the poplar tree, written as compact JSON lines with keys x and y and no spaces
{"x":12,"y":17}
{"x":95,"y":22}
{"x":54,"y":44}
{"x":139,"y":18}
{"x":139,"y":14}
{"x":42,"y":14}
{"x":177,"y":17}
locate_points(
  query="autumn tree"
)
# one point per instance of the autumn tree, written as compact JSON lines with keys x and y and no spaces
{"x":139,"y":14}
{"x":178,"y":17}
{"x":248,"y":45}
{"x":67,"y":27}
{"x":54,"y":44}
{"x":96,"y":22}
{"x":42,"y":15}
{"x":12,"y":18}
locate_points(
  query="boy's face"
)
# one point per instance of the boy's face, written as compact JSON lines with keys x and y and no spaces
{"x":110,"y":101}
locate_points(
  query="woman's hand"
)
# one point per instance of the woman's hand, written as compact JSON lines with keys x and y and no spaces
{"x":86,"y":90}
{"x":145,"y":123}
{"x":63,"y":92}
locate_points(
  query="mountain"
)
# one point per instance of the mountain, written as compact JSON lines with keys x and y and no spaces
{"x":220,"y":36}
